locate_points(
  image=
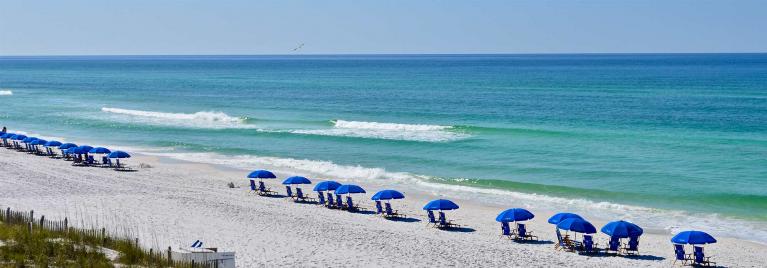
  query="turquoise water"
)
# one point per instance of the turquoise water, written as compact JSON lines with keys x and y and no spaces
{"x":678,"y":132}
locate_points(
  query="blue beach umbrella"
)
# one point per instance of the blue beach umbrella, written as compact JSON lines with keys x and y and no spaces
{"x":118,"y":154}
{"x":28,"y":139}
{"x":559,"y":217}
{"x":261,"y":174}
{"x":19,"y":137}
{"x":349,"y":189}
{"x":326,"y":186}
{"x":693,"y":238}
{"x":70,"y":150}
{"x":577,"y":225}
{"x":52,"y":144}
{"x":38,"y":142}
{"x":622,"y":229}
{"x":514,"y":214}
{"x":83,"y":149}
{"x":99,"y":150}
{"x":6,"y":135}
{"x":296,"y":180}
{"x":66,"y":146}
{"x":440,"y":204}
{"x":387,"y":195}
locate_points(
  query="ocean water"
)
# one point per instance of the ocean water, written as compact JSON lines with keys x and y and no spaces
{"x":668,"y":132}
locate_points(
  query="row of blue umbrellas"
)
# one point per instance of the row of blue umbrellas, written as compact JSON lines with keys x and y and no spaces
{"x":67,"y":148}
{"x":624,"y":229}
{"x":338,"y":188}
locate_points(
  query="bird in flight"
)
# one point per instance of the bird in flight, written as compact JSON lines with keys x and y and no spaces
{"x":299,"y":47}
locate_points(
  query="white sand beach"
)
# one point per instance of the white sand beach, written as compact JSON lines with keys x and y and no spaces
{"x":174,"y":203}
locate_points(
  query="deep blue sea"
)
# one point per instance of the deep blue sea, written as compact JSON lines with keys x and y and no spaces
{"x":676,"y":132}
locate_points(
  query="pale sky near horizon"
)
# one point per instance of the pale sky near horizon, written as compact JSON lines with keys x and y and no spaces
{"x":142,"y":27}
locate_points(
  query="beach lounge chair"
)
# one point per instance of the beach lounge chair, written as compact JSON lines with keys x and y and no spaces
{"x":632,"y":248}
{"x":379,"y":208}
{"x":331,"y":203}
{"x":523,"y":234}
{"x":701,"y":259}
{"x":253,"y":187}
{"x":350,"y":205}
{"x":505,"y":230}
{"x":613,"y":246}
{"x":444,"y":223}
{"x":300,"y":197}
{"x":289,"y":192}
{"x":89,"y":161}
{"x":680,"y":256}
{"x":432,"y":221}
{"x":560,"y":243}
{"x":392,"y":213}
{"x":339,"y":203}
{"x":263,"y":191}
{"x":587,"y":247}
{"x":320,"y":198}
{"x":105,"y":162}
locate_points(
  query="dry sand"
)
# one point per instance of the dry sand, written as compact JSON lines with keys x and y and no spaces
{"x":175,"y":203}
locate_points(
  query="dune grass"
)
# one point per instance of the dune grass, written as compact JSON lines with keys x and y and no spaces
{"x":20,"y":247}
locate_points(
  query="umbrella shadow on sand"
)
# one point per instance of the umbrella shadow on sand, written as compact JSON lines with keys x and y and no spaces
{"x":407,"y":219}
{"x":459,"y":229}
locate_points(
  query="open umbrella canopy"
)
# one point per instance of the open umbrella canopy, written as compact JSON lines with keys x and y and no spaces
{"x":349,"y":189}
{"x":6,"y":135}
{"x":514,"y":214}
{"x":118,"y":154}
{"x":559,"y":217}
{"x":99,"y":150}
{"x":440,"y":204}
{"x":326,"y":186}
{"x":622,"y":229}
{"x":38,"y":142}
{"x":83,"y":149}
{"x":261,"y":174}
{"x":70,"y":150}
{"x":19,"y":137}
{"x":296,"y":180}
{"x":387,"y":195}
{"x":28,"y":139}
{"x":577,"y":225}
{"x":693,"y":238}
{"x":67,"y":146}
{"x":52,"y":144}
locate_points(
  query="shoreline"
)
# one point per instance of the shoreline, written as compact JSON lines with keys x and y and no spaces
{"x":177,"y":201}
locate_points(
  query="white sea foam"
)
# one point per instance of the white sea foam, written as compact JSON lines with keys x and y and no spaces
{"x":6,"y":93}
{"x":653,"y":219}
{"x":389,"y":131}
{"x":197,"y":120}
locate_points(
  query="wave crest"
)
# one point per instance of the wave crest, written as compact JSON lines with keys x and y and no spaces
{"x":6,"y":93}
{"x":205,"y":119}
{"x":389,"y":131}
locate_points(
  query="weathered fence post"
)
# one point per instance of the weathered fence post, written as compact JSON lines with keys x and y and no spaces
{"x":66,"y":224}
{"x":29,"y":225}
{"x":8,"y":215}
{"x":42,"y":221}
{"x":31,"y":215}
{"x":170,"y":258}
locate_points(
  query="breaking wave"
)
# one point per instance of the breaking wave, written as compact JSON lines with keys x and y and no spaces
{"x":205,"y":119}
{"x":389,"y":131}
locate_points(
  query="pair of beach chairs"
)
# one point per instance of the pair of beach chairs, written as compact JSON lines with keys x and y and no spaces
{"x":441,"y":222}
{"x":299,"y":195}
{"x":387,"y":212}
{"x":261,"y":189}
{"x":614,"y":246}
{"x":518,"y":234}
{"x":696,"y":258}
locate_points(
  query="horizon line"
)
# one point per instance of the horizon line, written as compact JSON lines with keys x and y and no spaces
{"x":377,"y":54}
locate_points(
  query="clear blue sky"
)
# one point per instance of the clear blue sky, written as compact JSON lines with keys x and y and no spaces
{"x":67,"y":27}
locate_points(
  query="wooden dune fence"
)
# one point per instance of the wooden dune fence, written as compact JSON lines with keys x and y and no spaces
{"x":10,"y":216}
